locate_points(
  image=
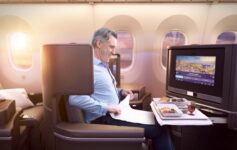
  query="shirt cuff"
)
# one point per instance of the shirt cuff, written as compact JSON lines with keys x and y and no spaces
{"x":104,"y":108}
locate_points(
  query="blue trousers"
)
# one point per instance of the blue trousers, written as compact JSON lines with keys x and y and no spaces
{"x":158,"y":134}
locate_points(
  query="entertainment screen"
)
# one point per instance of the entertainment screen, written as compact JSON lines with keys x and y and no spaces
{"x":206,"y":74}
{"x":196,"y":69}
{"x":197,"y":72}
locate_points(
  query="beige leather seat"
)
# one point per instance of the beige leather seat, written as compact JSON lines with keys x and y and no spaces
{"x":67,"y":70}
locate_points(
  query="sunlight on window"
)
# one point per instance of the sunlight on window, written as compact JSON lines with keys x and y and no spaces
{"x":125,"y":48}
{"x":228,"y":37}
{"x":171,"y":39}
{"x":18,"y":41}
{"x":20,"y":50}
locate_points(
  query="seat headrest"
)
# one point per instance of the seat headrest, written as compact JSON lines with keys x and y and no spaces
{"x":67,"y":69}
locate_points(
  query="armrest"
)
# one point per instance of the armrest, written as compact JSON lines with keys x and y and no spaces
{"x":12,"y":127}
{"x":32,"y":117}
{"x":142,"y":103}
{"x":7,"y":110}
{"x":36,"y":98}
{"x":82,"y":130}
{"x":146,"y":101}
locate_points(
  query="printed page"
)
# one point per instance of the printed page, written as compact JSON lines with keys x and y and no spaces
{"x":132,"y":115}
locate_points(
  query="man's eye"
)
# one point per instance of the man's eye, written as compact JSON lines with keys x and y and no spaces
{"x":111,"y":46}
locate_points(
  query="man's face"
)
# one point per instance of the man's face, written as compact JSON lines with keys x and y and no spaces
{"x":107,"y":48}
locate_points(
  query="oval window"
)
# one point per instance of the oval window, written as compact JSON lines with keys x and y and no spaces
{"x":20,"y":50}
{"x":125,"y":48}
{"x":171,"y":39}
{"x":228,"y":37}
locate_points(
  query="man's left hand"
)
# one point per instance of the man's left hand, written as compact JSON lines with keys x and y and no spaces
{"x":128,"y":92}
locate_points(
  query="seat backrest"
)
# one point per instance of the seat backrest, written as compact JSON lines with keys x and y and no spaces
{"x":67,"y":69}
{"x":69,"y":113}
{"x":74,"y":114}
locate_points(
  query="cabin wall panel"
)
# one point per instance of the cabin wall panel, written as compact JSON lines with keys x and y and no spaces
{"x":150,"y":21}
{"x":69,"y":23}
{"x":221,"y":17}
{"x":50,"y":24}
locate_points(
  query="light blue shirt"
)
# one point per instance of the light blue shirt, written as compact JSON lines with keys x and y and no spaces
{"x":105,"y":93}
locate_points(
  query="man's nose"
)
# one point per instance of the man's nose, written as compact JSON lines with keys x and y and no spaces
{"x":112,"y":50}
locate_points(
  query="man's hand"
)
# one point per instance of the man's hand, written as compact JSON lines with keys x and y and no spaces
{"x":128,"y":92}
{"x":114,"y":109}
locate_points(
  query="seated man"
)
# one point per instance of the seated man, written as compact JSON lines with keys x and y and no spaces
{"x":105,"y":98}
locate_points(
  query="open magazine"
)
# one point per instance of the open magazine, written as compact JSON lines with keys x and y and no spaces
{"x":133,"y":115}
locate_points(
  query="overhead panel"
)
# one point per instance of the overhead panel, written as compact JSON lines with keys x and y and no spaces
{"x":82,"y":1}
{"x":118,"y":1}
{"x":202,"y":1}
{"x":139,"y":1}
{"x":56,"y":0}
{"x":163,"y":0}
{"x":227,"y":0}
{"x":23,"y":1}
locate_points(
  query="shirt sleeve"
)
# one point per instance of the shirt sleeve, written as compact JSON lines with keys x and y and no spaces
{"x":120,"y":94}
{"x":87,"y":103}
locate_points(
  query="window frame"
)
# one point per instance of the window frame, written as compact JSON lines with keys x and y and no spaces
{"x":133,"y":52}
{"x":235,"y":33}
{"x":11,"y":58}
{"x":163,"y":39}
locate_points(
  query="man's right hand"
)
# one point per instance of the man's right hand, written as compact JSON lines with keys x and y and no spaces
{"x":114,"y":109}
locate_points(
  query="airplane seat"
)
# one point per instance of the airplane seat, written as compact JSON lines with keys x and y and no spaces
{"x":73,"y":114}
{"x":146,"y":100}
{"x":22,"y":131}
{"x":68,"y":70}
{"x":32,"y":118}
{"x":12,"y":135}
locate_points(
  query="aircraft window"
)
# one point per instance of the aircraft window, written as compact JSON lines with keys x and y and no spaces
{"x":125,"y":48}
{"x":20,"y":50}
{"x":171,"y":38}
{"x":228,"y":37}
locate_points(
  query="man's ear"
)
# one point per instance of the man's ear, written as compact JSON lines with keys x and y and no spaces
{"x":98,"y":43}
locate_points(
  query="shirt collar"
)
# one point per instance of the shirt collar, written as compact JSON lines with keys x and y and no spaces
{"x":96,"y":61}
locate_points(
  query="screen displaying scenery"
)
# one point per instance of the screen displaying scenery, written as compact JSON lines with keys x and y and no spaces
{"x":196,"y":69}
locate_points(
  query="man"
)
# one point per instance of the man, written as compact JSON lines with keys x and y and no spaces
{"x":105,"y":98}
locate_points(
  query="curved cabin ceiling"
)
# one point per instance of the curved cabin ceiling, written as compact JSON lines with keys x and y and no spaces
{"x":117,"y":1}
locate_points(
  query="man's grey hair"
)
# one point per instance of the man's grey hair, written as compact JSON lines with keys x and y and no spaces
{"x":102,"y":34}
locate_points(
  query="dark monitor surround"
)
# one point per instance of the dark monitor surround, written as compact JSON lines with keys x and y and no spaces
{"x":199,"y":70}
